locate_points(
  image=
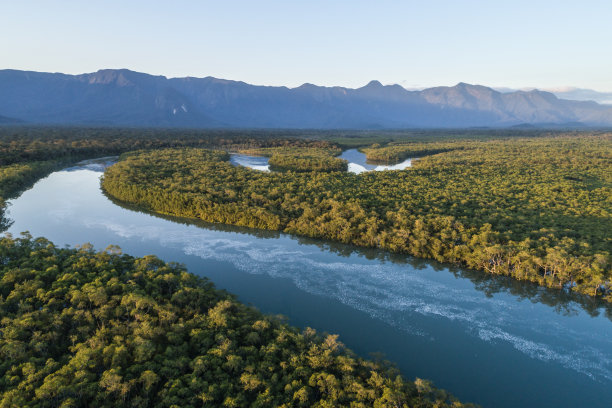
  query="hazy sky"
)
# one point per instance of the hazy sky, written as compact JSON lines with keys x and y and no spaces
{"x":413,"y":43}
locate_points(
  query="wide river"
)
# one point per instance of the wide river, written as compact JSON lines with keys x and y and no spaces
{"x":489,"y":340}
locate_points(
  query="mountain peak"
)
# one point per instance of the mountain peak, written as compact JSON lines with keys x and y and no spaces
{"x":465,"y":85}
{"x":109,"y":76}
{"x":307,"y":85}
{"x":120,"y":77}
{"x":374,"y":84}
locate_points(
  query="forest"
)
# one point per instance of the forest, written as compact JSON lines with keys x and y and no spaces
{"x":315,"y":157}
{"x":536,"y":209}
{"x":29,"y":153}
{"x":104,"y":329}
{"x":85,"y":328}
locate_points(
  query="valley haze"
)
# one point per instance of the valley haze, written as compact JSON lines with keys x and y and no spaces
{"x":120,"y":97}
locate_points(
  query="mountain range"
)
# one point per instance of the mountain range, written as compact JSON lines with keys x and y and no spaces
{"x":120,"y":97}
{"x":572,"y":93}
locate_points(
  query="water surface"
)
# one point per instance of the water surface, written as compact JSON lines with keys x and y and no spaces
{"x":494,"y":341}
{"x":254,"y":162}
{"x":357,"y":163}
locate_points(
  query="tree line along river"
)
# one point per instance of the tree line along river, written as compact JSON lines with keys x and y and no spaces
{"x":490,"y":340}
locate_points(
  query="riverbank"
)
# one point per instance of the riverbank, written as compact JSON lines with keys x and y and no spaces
{"x":453,"y":326}
{"x":496,"y":207}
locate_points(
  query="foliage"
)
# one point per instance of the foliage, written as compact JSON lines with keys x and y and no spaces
{"x":13,"y":177}
{"x":23,"y":144}
{"x":28,"y":153}
{"x":313,"y":158}
{"x":86,"y":328}
{"x":537,"y":209}
{"x":16,"y":177}
{"x":394,"y":153}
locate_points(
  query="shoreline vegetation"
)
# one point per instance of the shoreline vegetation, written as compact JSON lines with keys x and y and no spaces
{"x":87,"y":328}
{"x":81,"y":327}
{"x":102,"y":328}
{"x":539,"y":202}
{"x":301,"y":159}
{"x":562,"y":302}
{"x":536,"y":209}
{"x":30,"y":153}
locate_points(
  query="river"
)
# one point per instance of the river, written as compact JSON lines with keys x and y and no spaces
{"x":357,"y":162}
{"x":489,"y":340}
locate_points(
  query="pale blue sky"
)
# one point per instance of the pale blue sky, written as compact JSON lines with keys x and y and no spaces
{"x":413,"y":43}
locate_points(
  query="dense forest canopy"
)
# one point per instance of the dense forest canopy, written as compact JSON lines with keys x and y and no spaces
{"x":86,"y":328}
{"x":80,"y":327}
{"x":536,"y":209}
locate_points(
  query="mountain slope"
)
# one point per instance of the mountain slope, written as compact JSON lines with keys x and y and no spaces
{"x":574,"y":94}
{"x":127,"y":98}
{"x":8,"y":121}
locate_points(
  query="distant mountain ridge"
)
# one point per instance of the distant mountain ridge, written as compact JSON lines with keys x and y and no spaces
{"x":120,"y":97}
{"x":572,"y":93}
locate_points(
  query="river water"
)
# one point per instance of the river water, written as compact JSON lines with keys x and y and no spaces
{"x":254,"y":162}
{"x":357,"y":162}
{"x":488,"y":340}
